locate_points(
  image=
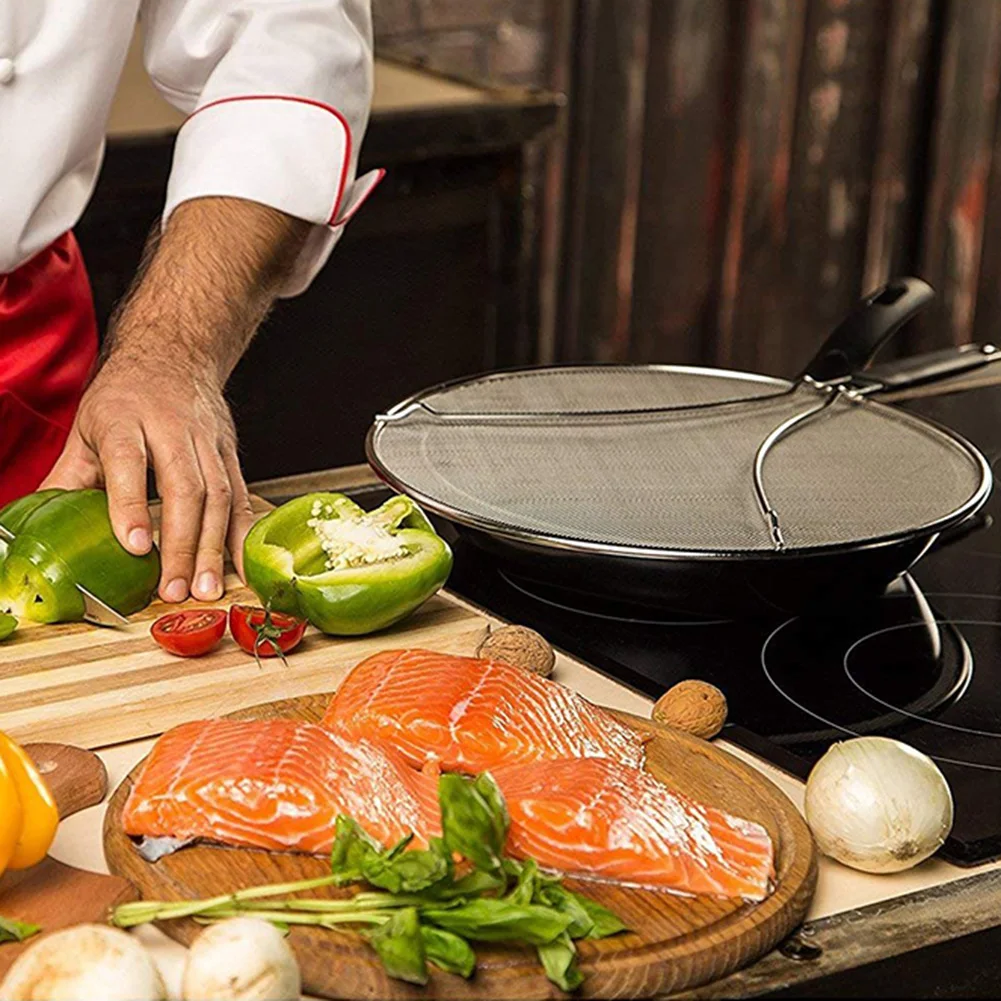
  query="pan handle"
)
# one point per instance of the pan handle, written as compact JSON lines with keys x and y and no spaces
{"x":931,"y":367}
{"x":858,"y":337}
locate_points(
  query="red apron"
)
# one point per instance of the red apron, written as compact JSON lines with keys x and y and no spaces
{"x":48,"y":345}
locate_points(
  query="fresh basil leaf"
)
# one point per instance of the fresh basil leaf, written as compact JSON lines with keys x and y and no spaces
{"x":471,"y":885}
{"x":489,"y":919}
{"x":351,"y":849}
{"x":527,"y":886}
{"x":401,"y":846}
{"x":559,"y":960}
{"x":449,"y":951}
{"x":561,"y":899}
{"x":400,"y":946}
{"x":511,"y":867}
{"x":474,"y":819}
{"x":16,"y":931}
{"x":408,"y":872}
{"x":606,"y":922}
{"x":490,"y":792}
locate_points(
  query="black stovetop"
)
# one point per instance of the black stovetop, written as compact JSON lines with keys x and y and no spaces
{"x":921,"y":663}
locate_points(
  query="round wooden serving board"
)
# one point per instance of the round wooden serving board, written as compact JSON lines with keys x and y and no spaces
{"x":677,"y":942}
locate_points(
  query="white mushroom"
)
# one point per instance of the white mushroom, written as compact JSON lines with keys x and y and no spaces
{"x":241,"y":959}
{"x":84,"y":963}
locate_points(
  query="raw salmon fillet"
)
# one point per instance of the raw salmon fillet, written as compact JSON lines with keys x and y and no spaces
{"x":601,"y":818}
{"x":470,"y":715}
{"x":276,"y":784}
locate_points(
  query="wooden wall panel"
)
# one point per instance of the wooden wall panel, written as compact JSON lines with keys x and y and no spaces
{"x":680,"y":194}
{"x":825,"y":146}
{"x":502,"y":40}
{"x":960,"y":157}
{"x":829,"y":178}
{"x":987,"y":318}
{"x":603,"y":171}
{"x":752,"y":289}
{"x":904,"y":122}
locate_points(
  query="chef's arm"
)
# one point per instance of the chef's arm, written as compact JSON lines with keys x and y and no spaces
{"x":277,"y":94}
{"x":205,"y":283}
{"x":204,"y":286}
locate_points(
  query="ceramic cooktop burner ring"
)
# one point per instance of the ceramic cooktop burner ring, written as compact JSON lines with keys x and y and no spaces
{"x":966,"y":679}
{"x":949,"y":685}
{"x":529,"y":592}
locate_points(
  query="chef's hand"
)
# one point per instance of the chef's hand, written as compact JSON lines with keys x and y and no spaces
{"x":174,"y":419}
{"x":157,"y":399}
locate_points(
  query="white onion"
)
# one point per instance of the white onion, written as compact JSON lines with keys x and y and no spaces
{"x":241,"y":959}
{"x":878,"y":805}
{"x":84,"y":963}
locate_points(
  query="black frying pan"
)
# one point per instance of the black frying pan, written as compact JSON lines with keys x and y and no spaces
{"x":701,"y":489}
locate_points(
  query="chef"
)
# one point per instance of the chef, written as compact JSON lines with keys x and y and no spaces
{"x":277,"y":95}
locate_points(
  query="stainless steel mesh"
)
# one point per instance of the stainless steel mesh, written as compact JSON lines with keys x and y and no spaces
{"x":678,"y":479}
{"x":598,"y":387}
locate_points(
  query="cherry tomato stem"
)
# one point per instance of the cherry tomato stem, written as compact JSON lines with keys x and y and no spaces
{"x":264,"y":633}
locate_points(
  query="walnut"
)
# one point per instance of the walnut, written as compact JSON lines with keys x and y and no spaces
{"x":696,"y":707}
{"x":520,"y":646}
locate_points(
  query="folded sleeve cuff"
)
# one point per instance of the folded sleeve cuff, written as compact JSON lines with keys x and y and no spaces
{"x":290,"y":153}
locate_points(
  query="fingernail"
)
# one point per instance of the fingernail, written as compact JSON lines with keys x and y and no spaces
{"x":208,"y":585}
{"x":139,"y":540}
{"x":176,"y":590}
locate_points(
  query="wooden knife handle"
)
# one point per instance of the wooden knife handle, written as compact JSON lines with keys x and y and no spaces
{"x":77,"y":777}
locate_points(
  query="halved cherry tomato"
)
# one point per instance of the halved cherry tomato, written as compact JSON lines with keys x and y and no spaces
{"x":190,"y":633}
{"x":263,"y":633}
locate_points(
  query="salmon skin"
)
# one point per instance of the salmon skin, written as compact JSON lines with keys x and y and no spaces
{"x":471,"y":715}
{"x":275,"y":784}
{"x":602,"y":819}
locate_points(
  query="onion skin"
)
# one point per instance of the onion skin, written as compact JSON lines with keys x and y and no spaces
{"x":878,"y":805}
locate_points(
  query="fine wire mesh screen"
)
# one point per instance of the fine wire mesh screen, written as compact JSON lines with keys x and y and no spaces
{"x":597,"y":387}
{"x":679,"y":479}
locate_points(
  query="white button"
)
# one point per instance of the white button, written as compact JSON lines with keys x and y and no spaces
{"x":6,"y":70}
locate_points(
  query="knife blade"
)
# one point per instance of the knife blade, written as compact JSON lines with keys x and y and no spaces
{"x":94,"y":610}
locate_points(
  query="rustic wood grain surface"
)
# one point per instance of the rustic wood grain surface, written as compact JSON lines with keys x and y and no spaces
{"x":678,"y":942}
{"x":91,"y":686}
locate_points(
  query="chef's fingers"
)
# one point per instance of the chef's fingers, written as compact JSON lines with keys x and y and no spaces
{"x":76,"y":468}
{"x":207,"y":584}
{"x":242,"y":516}
{"x":180,"y":483}
{"x":122,"y":453}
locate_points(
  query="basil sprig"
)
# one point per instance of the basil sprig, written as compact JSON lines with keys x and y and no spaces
{"x":423,"y":912}
{"x":16,"y":931}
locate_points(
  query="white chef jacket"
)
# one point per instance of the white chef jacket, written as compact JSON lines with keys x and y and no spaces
{"x":277,"y":93}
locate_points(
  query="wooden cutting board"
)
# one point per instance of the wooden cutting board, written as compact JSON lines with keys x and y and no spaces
{"x":52,"y":894}
{"x":678,"y":942}
{"x":91,"y":686}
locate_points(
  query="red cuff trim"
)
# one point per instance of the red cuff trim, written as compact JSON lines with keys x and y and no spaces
{"x":316,"y":104}
{"x":340,"y":221}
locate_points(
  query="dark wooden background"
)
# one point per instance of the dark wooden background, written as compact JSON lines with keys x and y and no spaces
{"x":738,"y":172}
{"x":742,"y":171}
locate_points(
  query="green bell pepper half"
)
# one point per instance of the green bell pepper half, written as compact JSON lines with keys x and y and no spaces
{"x":7,"y":625}
{"x":63,"y":538}
{"x":377,"y":568}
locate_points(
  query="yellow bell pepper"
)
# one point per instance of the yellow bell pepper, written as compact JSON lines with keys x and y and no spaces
{"x":28,"y":813}
{"x":10,"y":816}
